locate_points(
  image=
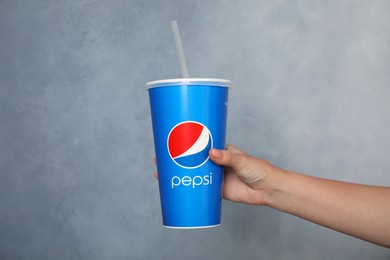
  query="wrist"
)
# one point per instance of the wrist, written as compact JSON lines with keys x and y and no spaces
{"x":277,"y":184}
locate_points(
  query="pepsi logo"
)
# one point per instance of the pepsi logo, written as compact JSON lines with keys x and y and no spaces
{"x":189,"y":143}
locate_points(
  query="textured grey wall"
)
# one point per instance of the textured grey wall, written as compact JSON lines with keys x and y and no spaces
{"x":311,"y":93}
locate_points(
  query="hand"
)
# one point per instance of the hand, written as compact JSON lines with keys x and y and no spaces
{"x":246,"y":177}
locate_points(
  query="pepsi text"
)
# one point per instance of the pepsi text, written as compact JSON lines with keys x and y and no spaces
{"x":193,"y":182}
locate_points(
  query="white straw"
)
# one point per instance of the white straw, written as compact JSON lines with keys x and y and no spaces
{"x":180,"y":51}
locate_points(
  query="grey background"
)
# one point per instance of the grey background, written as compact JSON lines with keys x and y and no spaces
{"x":311,"y":94}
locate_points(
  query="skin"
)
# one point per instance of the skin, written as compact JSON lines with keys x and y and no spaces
{"x":362,"y":211}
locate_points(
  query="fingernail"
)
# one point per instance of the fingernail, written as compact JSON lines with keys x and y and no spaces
{"x":216,"y":153}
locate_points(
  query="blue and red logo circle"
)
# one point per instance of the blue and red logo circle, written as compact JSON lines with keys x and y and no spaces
{"x":189,"y":143}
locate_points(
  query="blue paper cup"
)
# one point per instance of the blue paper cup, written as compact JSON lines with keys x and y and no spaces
{"x":189,"y":118}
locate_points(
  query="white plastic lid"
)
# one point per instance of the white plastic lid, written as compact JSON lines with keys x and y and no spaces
{"x":189,"y":81}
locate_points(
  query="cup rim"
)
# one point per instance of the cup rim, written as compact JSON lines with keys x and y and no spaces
{"x":189,"y":81}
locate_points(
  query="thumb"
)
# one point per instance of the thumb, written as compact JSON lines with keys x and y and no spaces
{"x":232,"y":157}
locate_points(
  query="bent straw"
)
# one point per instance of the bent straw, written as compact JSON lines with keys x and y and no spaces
{"x":179,"y":49}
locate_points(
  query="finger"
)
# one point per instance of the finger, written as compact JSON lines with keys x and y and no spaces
{"x":154,"y":160}
{"x":221,"y":157}
{"x":227,"y":158}
{"x":156,"y":175}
